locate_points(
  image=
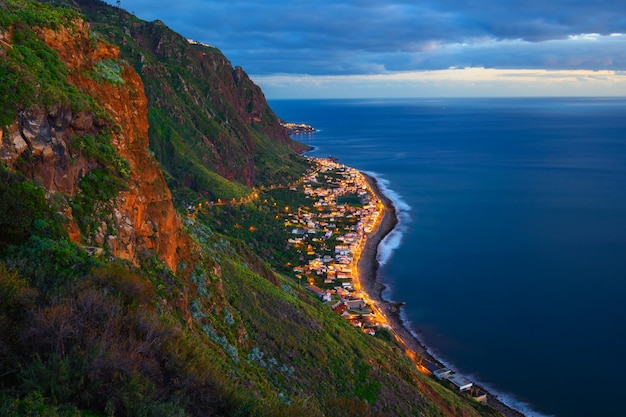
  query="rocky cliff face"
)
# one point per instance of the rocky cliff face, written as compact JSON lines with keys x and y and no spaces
{"x":206,"y":117}
{"x":45,"y":136}
{"x":39,"y":143}
{"x":224,"y":97}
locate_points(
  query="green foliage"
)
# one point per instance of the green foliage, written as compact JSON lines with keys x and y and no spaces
{"x":130,"y":288}
{"x":255,"y":223}
{"x":24,"y":211}
{"x":276,"y":164}
{"x":18,"y":301}
{"x":109,"y":70}
{"x":285,"y":197}
{"x":99,"y":185}
{"x":100,"y":149}
{"x":35,"y":405}
{"x":48,"y":264}
{"x":91,"y":347}
{"x":296,"y":337}
{"x":32,"y":73}
{"x":190,"y":176}
{"x":93,"y":201}
{"x":15,"y":91}
{"x":34,"y":13}
{"x":350,"y":199}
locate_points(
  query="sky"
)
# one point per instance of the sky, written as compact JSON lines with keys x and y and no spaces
{"x":411,"y":48}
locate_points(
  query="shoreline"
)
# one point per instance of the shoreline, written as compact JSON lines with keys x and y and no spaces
{"x":367,"y":267}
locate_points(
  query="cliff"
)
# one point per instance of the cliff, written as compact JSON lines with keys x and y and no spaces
{"x":210,"y":125}
{"x":43,"y":142}
{"x":114,"y":305}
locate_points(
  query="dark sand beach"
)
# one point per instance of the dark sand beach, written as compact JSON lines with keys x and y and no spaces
{"x":368,"y":268}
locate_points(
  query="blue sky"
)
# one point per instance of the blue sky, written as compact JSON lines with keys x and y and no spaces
{"x":396,"y":48}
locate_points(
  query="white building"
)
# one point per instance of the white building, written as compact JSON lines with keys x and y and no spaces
{"x":459,"y":381}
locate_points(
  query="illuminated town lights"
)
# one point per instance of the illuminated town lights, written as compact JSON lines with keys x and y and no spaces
{"x":422,"y":369}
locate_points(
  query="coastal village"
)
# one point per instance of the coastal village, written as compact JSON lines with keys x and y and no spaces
{"x":329,"y":234}
{"x":330,"y":237}
{"x":298,"y":128}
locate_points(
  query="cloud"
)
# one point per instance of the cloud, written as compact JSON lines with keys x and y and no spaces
{"x":453,"y":82}
{"x":373,"y":37}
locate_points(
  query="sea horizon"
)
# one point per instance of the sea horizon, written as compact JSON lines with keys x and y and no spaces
{"x":453,"y":178}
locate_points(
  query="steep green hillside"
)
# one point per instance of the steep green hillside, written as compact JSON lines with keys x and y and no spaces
{"x":111,"y":305}
{"x":210,"y":126}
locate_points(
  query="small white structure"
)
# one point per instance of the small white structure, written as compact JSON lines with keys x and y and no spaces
{"x":459,"y":381}
{"x":442,"y":373}
{"x":355,"y":304}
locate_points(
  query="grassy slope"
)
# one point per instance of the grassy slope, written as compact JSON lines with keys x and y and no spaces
{"x":227,"y":336}
{"x":298,"y":350}
{"x":203,"y":142}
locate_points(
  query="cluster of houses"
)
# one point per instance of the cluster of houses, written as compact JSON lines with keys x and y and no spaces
{"x":297,"y":128}
{"x":193,"y":42}
{"x":330,"y":237}
{"x":330,"y":234}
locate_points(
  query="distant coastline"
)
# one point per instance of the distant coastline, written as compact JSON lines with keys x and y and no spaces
{"x":368,"y":272}
{"x":298,"y":128}
{"x":561,"y":159}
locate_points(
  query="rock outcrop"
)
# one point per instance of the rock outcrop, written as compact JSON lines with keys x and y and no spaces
{"x":205,"y":115}
{"x":143,"y":217}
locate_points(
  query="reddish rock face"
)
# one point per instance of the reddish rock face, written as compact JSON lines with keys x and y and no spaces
{"x":144,"y":216}
{"x":224,"y":96}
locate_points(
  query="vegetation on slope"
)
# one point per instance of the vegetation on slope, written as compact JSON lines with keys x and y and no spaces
{"x":32,"y":73}
{"x":210,"y":126}
{"x":90,"y":335}
{"x":226,"y":335}
{"x":34,"y":81}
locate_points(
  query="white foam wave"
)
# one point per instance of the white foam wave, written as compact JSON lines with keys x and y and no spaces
{"x":385,"y":249}
{"x":313,"y":149}
{"x":392,"y":241}
{"x":511,"y":401}
{"x":507,"y":398}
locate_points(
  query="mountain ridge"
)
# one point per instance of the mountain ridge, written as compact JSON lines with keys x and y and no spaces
{"x":229,"y":124}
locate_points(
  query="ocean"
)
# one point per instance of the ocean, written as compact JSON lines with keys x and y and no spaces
{"x":511,"y":248}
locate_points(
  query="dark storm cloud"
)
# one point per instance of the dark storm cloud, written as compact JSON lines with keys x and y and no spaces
{"x":362,"y":36}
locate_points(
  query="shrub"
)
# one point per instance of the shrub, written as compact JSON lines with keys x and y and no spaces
{"x":109,"y":70}
{"x":24,"y":211}
{"x":97,"y":189}
{"x":48,"y":264}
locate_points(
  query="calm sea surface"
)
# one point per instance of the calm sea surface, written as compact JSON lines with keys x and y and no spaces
{"x":511,"y":251}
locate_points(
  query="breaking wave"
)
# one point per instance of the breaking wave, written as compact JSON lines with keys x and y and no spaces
{"x":507,"y":398}
{"x":312,"y":150}
{"x":385,"y":250}
{"x":393,"y":240}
